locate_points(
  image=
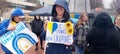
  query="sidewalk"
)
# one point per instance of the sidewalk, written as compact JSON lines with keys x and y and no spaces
{"x":32,"y":50}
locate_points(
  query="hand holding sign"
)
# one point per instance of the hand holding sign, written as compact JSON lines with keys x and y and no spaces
{"x":11,"y":27}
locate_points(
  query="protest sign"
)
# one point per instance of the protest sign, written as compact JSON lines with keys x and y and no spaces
{"x":61,"y":33}
{"x":19,"y":40}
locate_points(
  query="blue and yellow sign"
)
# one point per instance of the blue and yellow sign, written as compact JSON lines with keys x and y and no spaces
{"x":60,"y":32}
{"x":19,"y":40}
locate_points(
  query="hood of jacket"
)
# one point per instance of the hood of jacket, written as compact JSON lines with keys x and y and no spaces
{"x":103,"y":20}
{"x":62,"y":3}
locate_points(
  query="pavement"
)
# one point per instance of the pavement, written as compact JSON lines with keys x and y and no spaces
{"x":32,"y":50}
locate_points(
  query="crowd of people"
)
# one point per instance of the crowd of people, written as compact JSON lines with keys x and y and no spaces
{"x":102,"y":38}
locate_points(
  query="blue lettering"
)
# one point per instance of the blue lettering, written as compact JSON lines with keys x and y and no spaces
{"x":62,"y":38}
{"x":8,"y":39}
{"x":11,"y":34}
{"x":49,"y":38}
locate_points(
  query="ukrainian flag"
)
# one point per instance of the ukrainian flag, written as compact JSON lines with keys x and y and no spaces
{"x":74,"y":17}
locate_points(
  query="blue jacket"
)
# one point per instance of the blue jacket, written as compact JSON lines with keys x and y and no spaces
{"x":3,"y":26}
{"x":3,"y":30}
{"x":54,"y":48}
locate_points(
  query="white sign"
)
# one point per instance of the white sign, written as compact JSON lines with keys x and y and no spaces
{"x":19,"y":40}
{"x":59,"y":32}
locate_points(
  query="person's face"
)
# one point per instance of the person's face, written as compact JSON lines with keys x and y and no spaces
{"x":60,"y":10}
{"x":85,"y":18}
{"x":37,"y":17}
{"x":117,"y":20}
{"x":17,"y":19}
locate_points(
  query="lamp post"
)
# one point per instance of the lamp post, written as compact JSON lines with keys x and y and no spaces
{"x":85,"y":6}
{"x":74,"y":5}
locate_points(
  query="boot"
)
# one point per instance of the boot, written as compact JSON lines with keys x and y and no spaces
{"x":36,"y":47}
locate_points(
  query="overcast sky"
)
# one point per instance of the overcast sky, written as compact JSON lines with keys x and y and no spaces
{"x":107,"y":3}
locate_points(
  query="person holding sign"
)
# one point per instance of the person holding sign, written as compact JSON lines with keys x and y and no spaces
{"x":60,"y":13}
{"x":10,"y":24}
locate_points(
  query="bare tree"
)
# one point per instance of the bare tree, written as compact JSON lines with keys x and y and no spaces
{"x":3,"y":7}
{"x":116,"y":6}
{"x":96,"y":3}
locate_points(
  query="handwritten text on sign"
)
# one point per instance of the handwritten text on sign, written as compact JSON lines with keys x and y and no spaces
{"x":59,"y":32}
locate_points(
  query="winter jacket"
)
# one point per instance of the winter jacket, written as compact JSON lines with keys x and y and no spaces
{"x":103,"y":38}
{"x":81,"y":32}
{"x":36,"y":26}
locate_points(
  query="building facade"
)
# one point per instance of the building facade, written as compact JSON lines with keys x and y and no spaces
{"x":27,"y":6}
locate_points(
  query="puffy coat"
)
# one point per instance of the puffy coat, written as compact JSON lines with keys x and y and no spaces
{"x":103,"y":38}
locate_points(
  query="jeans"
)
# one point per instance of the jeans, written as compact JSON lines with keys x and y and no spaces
{"x":79,"y":49}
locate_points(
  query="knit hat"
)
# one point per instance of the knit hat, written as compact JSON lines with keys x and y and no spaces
{"x":18,"y":12}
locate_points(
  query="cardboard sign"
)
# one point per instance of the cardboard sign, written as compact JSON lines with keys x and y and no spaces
{"x":61,"y":33}
{"x":19,"y":40}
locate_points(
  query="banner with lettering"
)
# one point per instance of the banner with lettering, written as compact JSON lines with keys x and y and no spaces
{"x":61,"y":33}
{"x":19,"y":40}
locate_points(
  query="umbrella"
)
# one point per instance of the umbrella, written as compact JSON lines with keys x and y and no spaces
{"x":45,"y":11}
